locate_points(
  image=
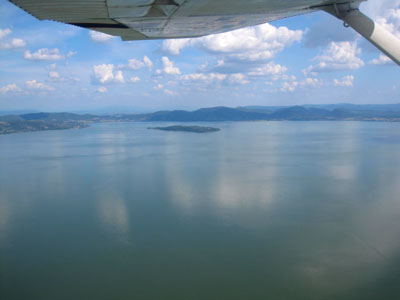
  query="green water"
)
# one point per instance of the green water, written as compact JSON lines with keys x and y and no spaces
{"x":258,"y":210}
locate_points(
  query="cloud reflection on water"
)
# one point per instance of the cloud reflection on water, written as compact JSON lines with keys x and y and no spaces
{"x":114,"y":215}
{"x":314,"y":204}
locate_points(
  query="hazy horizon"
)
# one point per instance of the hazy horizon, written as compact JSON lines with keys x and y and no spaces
{"x":139,"y":110}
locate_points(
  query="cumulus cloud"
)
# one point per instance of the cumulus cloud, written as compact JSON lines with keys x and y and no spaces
{"x":55,"y":76}
{"x":136,"y":64}
{"x":159,"y":86}
{"x":52,"y":66}
{"x":47,"y":54}
{"x":168,"y":67}
{"x":260,"y":42}
{"x":102,"y":89}
{"x":268,"y":69}
{"x":134,"y":79}
{"x":100,"y":37}
{"x":378,"y":8}
{"x":238,"y":78}
{"x":10,"y":88}
{"x":13,"y":44}
{"x":381,"y":60}
{"x":338,"y":56}
{"x":105,"y":74}
{"x":203,"y":80}
{"x":247,"y":51}
{"x":119,"y":77}
{"x":175,"y":46}
{"x":169,"y":92}
{"x":71,"y":53}
{"x":291,"y":86}
{"x":311,"y":82}
{"x":36,"y":85}
{"x":204,"y":77}
{"x":390,"y":20}
{"x":10,"y":43}
{"x":4,"y":33}
{"x":346,"y":81}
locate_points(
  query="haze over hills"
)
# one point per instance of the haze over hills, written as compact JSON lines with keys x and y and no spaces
{"x":335,"y":112}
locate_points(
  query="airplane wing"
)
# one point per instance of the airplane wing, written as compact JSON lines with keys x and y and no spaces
{"x":154,"y":19}
{"x":160,"y":19}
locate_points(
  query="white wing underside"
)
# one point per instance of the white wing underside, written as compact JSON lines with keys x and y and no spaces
{"x":154,"y":19}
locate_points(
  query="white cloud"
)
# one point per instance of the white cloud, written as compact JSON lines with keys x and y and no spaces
{"x":169,"y":92}
{"x":55,"y":76}
{"x":284,"y":77}
{"x":45,"y":54}
{"x":390,"y":20}
{"x":10,"y":44}
{"x":147,"y":62}
{"x":338,"y":56}
{"x":71,"y":53}
{"x":10,"y":88}
{"x":102,"y":89}
{"x":268,"y":69}
{"x":311,"y":82}
{"x":119,"y":77}
{"x":387,"y":14}
{"x":175,"y":46}
{"x":136,"y":64}
{"x":13,"y":44}
{"x":100,"y":37}
{"x":134,"y":79}
{"x":381,"y":60}
{"x":105,"y":74}
{"x":4,"y":33}
{"x":378,"y":8}
{"x":245,"y":50}
{"x":238,"y":78}
{"x":205,"y":81}
{"x":204,"y":77}
{"x":36,"y":85}
{"x":168,"y":67}
{"x":159,"y":86}
{"x":17,"y":43}
{"x":260,"y":42}
{"x":291,"y":86}
{"x":346,"y":81}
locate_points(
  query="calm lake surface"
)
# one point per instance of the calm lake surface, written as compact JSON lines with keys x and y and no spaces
{"x":258,"y":210}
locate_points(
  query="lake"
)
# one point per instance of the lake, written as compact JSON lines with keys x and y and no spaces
{"x":258,"y":210}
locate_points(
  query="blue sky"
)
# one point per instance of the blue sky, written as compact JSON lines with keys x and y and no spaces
{"x":51,"y":66}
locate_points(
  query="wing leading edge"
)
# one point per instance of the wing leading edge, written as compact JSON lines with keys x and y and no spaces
{"x":159,"y":19}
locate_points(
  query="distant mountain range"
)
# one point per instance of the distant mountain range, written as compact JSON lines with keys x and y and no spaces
{"x":335,"y":112}
{"x":292,"y":113}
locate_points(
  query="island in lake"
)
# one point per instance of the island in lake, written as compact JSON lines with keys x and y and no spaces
{"x":196,"y":129}
{"x":10,"y":123}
